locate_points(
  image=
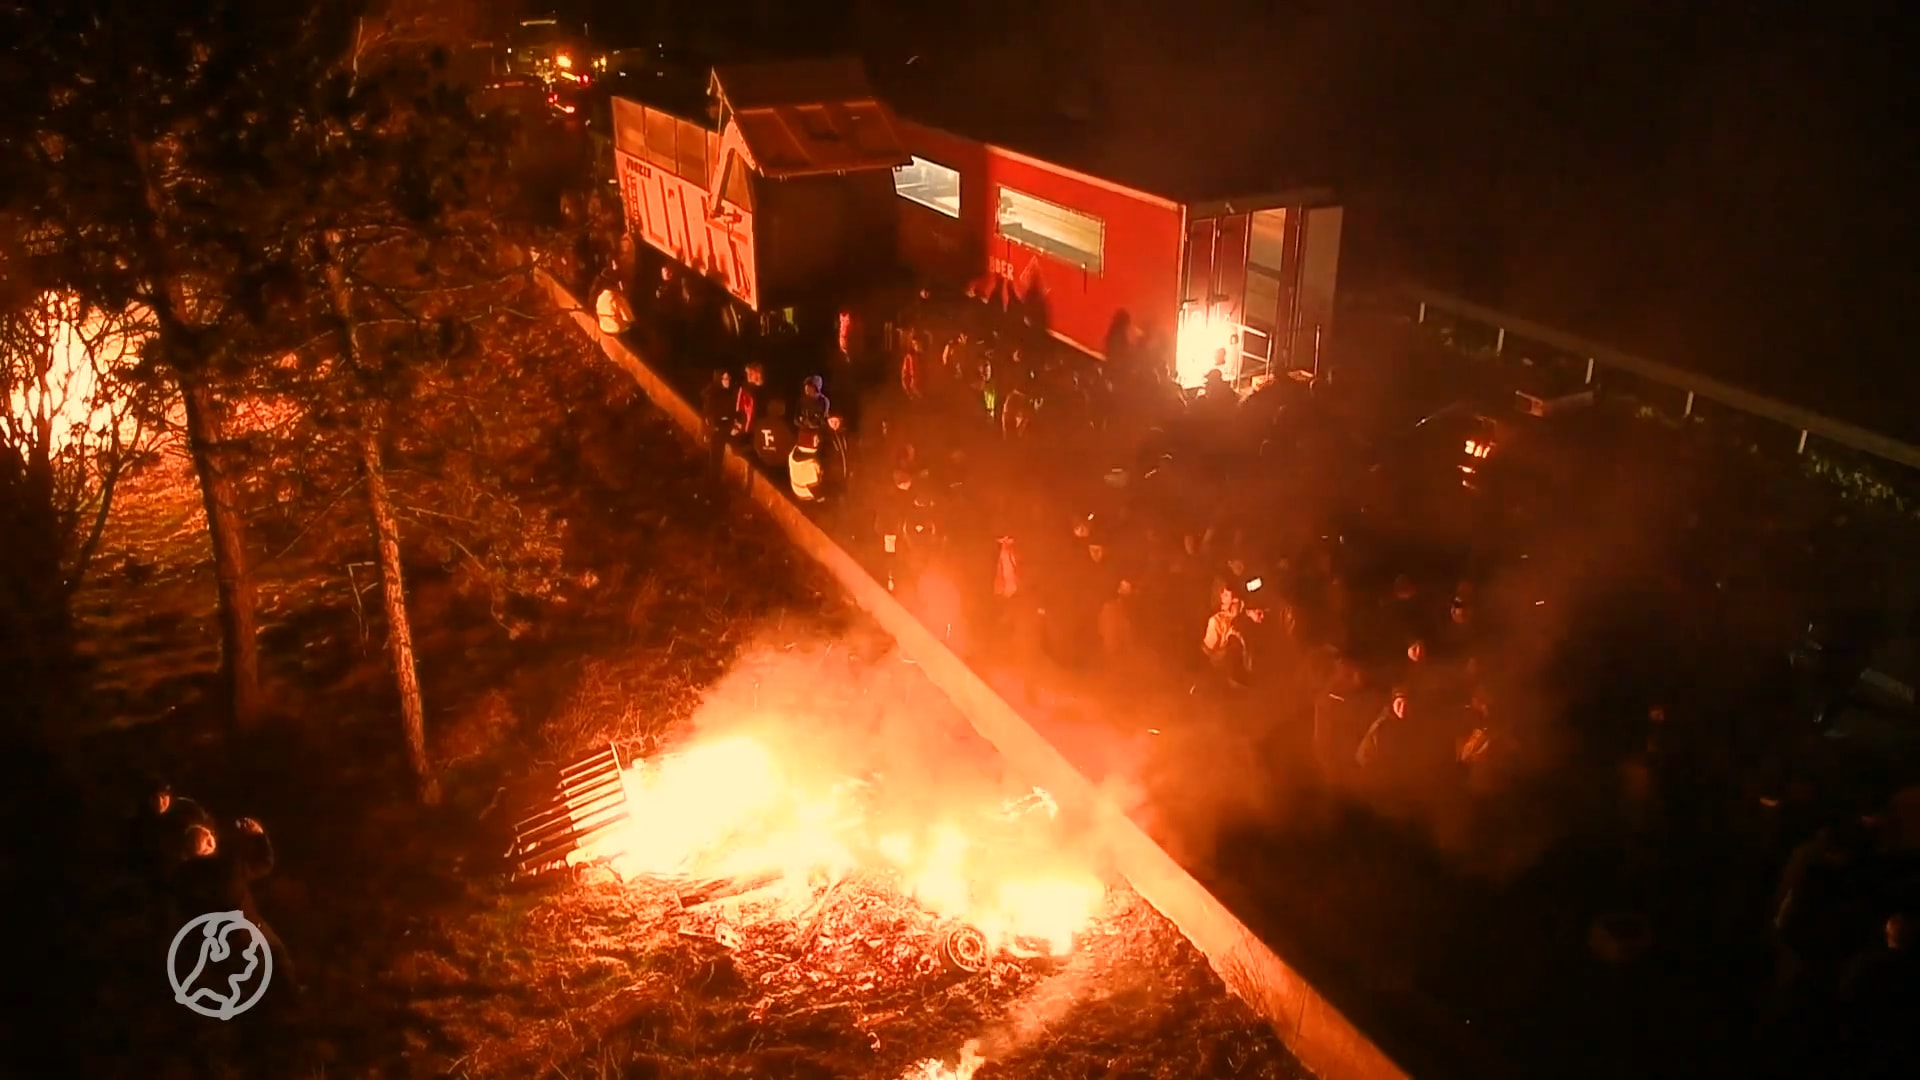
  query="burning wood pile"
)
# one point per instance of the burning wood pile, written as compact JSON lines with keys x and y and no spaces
{"x":740,"y":913}
{"x":740,"y":841}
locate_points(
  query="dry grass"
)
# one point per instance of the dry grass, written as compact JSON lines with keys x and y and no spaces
{"x":147,"y":612}
{"x":613,"y":980}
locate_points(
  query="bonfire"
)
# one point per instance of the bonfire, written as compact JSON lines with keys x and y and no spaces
{"x":724,"y":821}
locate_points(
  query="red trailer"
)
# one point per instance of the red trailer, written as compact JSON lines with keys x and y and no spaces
{"x":1243,"y":283}
{"x":781,"y":192}
{"x":1093,"y":249}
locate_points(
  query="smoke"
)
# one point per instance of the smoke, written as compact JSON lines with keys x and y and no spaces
{"x":1565,"y":599}
{"x":1047,"y":1003}
{"x":846,"y":709}
{"x":853,"y":709}
{"x":1028,"y":1020}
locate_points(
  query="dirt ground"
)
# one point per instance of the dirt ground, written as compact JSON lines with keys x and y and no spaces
{"x":411,"y":954}
{"x":613,"y":980}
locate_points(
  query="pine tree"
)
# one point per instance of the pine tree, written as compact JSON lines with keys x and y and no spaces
{"x":148,"y":150}
{"x":411,"y":265}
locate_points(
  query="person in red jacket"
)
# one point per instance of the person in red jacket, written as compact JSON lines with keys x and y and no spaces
{"x":751,"y":399}
{"x":910,"y":369}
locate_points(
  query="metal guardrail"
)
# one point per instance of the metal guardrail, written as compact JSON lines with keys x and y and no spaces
{"x":1808,"y":423}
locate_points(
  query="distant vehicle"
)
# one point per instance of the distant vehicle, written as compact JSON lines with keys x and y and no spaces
{"x":514,"y":95}
{"x":548,"y":48}
{"x":1870,"y":731}
{"x":658,"y":63}
{"x":580,"y":103}
{"x":1833,"y":652}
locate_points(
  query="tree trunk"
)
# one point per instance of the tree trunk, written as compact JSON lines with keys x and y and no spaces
{"x":386,"y":537}
{"x":393,"y":596}
{"x":39,"y":668}
{"x":240,"y":645}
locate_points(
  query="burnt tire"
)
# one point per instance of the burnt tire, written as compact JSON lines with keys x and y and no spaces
{"x":964,"y":949}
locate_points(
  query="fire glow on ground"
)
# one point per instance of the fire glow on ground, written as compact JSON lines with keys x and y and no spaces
{"x":876,"y":874}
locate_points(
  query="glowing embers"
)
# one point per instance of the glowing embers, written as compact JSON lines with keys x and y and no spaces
{"x":969,"y":1063}
{"x":1476,"y":450}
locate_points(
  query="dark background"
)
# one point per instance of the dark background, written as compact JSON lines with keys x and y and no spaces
{"x":1724,"y":187}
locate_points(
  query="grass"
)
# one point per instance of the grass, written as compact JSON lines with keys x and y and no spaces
{"x":416,"y":956}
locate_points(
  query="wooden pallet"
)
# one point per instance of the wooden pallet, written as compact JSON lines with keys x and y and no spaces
{"x":589,"y":800}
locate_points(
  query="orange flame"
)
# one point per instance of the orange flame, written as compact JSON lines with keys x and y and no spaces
{"x":1197,"y":345}
{"x":56,"y":376}
{"x":930,"y":1069}
{"x":727,"y":808}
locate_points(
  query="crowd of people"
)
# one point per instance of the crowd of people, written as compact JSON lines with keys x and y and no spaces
{"x":1053,"y":516}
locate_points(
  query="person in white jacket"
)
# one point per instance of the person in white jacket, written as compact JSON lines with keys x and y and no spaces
{"x":613,"y":311}
{"x":804,"y":472}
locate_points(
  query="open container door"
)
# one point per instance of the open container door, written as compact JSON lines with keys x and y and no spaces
{"x":1319,"y":274}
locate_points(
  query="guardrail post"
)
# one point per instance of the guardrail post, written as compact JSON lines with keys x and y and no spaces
{"x":1589,"y":381}
{"x":1423,"y":313}
{"x":1500,"y":341}
{"x":1688,"y":411}
{"x":1802,"y":448}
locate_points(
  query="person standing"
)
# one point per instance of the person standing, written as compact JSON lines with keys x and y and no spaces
{"x":1380,"y":749}
{"x":160,"y":839}
{"x":1880,"y":1004}
{"x":219,"y":875}
{"x":910,"y":363}
{"x":815,"y":406}
{"x":719,"y":405}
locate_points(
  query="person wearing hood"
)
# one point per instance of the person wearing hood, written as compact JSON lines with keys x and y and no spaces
{"x":1216,"y":407}
{"x":815,"y":406}
{"x":719,"y":405}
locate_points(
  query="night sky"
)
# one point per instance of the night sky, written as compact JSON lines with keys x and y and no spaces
{"x":1726,"y":187}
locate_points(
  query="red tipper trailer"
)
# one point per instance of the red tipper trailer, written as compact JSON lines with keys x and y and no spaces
{"x":1244,"y":283}
{"x":782,"y":192}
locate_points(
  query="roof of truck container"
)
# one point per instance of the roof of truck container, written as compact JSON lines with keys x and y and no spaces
{"x":1183,"y":163}
{"x":802,"y":117}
